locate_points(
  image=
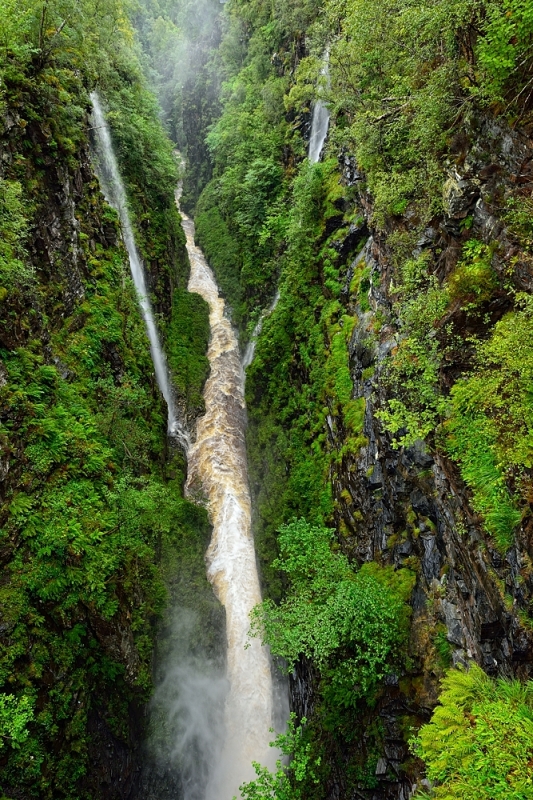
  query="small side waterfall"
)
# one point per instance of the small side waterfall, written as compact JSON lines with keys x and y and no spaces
{"x":115,"y":194}
{"x":319,"y":131}
{"x":217,"y":464}
{"x":217,"y":467}
{"x":319,"y":123}
{"x":249,"y":352}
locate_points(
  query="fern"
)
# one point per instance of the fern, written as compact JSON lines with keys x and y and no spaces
{"x":479,"y":742}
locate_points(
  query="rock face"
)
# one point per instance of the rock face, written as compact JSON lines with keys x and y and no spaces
{"x":85,"y":668}
{"x":408,"y":506}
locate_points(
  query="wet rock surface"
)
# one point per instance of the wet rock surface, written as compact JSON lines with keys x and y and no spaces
{"x":408,"y":506}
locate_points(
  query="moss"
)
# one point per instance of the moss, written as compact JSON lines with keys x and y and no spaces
{"x":442,"y":646}
{"x":92,"y":504}
{"x":186,"y":341}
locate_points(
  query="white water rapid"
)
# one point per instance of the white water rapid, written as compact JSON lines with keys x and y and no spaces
{"x":217,"y":465}
{"x":217,"y":468}
{"x":320,"y":122}
{"x":113,"y":188}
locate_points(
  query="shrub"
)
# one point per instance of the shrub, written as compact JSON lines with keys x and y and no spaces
{"x":473,"y":280}
{"x":479,"y":743}
{"x":286,"y":782}
{"x":352,"y":624}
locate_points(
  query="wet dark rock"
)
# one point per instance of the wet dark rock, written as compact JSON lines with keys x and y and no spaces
{"x":459,"y":194}
{"x":334,"y":223}
{"x":61,"y":368}
{"x":381,"y":767}
{"x":350,"y":171}
{"x":491,"y":630}
{"x":409,"y":506}
{"x":356,"y":233}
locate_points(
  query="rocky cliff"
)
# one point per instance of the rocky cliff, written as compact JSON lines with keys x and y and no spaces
{"x":91,"y":496}
{"x":407,"y":505}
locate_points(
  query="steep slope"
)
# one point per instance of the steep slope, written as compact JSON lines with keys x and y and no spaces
{"x":388,"y":398}
{"x":92,"y":510}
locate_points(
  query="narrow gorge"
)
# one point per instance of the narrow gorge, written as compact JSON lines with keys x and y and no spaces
{"x":218,"y":467}
{"x":266,"y":441}
{"x":217,"y":470}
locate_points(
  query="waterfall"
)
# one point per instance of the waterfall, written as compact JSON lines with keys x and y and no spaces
{"x":115,"y":194}
{"x":248,"y":356}
{"x":319,"y":122}
{"x":319,"y":131}
{"x":217,"y":465}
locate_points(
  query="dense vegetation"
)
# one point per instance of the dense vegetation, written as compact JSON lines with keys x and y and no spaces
{"x":382,"y":243}
{"x":91,"y":496}
{"x":351,"y":624}
{"x":421,"y":97}
{"x":478,"y":744}
{"x":180,"y":42}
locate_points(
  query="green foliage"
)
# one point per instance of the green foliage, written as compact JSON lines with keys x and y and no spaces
{"x":15,"y":714}
{"x":60,"y":32}
{"x":505,"y":51}
{"x":488,"y":425}
{"x":220,"y":249}
{"x":286,"y":782}
{"x":86,"y":540}
{"x":443,"y":647}
{"x":413,"y":372}
{"x":491,"y":421}
{"x":518,"y":216}
{"x":473,"y":280}
{"x":14,"y":270}
{"x":187,"y":338}
{"x":352,"y":624}
{"x":478,"y":744}
{"x":235,"y":210}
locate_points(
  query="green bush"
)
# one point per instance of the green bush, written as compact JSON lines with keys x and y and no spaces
{"x":287,"y":782}
{"x":490,"y":425}
{"x":15,"y":714}
{"x":505,"y":50}
{"x":479,"y":742}
{"x":473,"y":280}
{"x":352,"y":624}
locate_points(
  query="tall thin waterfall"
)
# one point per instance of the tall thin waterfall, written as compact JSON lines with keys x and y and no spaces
{"x":319,"y":123}
{"x":217,"y":463}
{"x":319,"y":131}
{"x":115,"y":195}
{"x":249,"y":353}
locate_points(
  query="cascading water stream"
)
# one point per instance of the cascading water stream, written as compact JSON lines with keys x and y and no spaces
{"x":115,"y":194}
{"x":319,"y":123}
{"x":249,"y":353}
{"x":217,"y":464}
{"x":319,"y":131}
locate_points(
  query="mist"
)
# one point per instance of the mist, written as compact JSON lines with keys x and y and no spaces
{"x":179,"y":39}
{"x":186,"y":713}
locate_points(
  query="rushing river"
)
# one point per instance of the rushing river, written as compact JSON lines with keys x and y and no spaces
{"x":217,"y":465}
{"x":217,"y":469}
